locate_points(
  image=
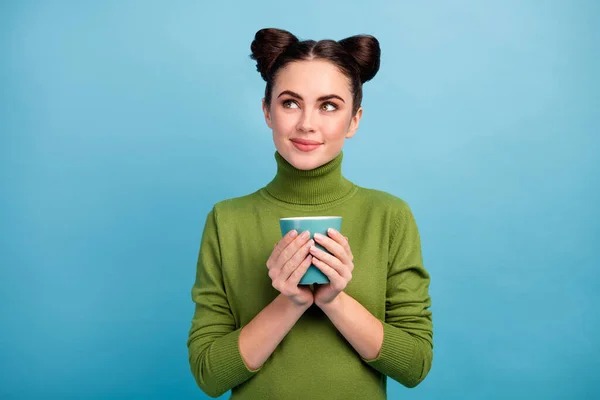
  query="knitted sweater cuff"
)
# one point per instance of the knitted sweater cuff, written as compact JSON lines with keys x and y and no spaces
{"x":398,"y":355}
{"x":231,"y":370}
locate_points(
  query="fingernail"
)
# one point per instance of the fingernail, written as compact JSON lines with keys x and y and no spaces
{"x":318,"y":236}
{"x":294,"y":234}
{"x":305,"y":234}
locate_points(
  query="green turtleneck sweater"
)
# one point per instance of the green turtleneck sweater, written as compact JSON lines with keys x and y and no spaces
{"x":313,"y":361}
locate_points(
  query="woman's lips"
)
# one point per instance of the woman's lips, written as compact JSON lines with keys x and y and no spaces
{"x":305,"y":147}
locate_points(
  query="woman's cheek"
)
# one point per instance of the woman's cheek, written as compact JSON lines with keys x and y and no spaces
{"x":335,"y":129}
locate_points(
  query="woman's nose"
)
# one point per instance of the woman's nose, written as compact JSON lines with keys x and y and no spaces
{"x":306,"y":122}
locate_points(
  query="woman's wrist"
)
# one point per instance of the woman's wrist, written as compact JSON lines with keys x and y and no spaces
{"x":294,"y":306}
{"x":332,"y":304}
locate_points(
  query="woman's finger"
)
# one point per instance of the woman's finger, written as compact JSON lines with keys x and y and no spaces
{"x":279,"y":246}
{"x":299,"y":272}
{"x":330,"y":260}
{"x":335,"y":279}
{"x":335,"y":248}
{"x":288,"y":268}
{"x":342,"y":240}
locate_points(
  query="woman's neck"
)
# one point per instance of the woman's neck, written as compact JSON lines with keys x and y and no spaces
{"x":316,"y":186}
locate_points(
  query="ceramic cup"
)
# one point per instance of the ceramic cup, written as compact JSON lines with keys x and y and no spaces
{"x":313,"y":225}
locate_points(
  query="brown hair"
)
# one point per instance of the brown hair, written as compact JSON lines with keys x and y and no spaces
{"x":357,"y":57}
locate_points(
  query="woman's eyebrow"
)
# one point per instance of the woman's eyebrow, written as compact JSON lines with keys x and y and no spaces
{"x":296,"y":95}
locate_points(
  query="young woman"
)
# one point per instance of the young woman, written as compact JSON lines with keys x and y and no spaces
{"x":255,"y":330}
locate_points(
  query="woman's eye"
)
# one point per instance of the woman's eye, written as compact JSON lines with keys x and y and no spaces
{"x":333,"y":107}
{"x":294,"y":104}
{"x":287,"y":102}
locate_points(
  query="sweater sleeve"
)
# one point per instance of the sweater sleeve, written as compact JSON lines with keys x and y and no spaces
{"x":407,"y":349}
{"x":214,"y":355}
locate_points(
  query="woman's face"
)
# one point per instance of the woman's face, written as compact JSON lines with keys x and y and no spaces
{"x":311,"y":100}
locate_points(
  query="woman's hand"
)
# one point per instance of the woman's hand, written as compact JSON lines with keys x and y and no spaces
{"x":288,"y":262}
{"x":337,"y":266}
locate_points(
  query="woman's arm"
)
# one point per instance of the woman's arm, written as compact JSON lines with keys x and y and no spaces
{"x":261,"y":336}
{"x":360,"y":328}
{"x":221,"y":354}
{"x":407,"y":359}
{"x":213,"y":340}
{"x":401,"y":345}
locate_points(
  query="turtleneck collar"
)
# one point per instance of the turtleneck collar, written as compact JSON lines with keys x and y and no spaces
{"x":320,"y":185}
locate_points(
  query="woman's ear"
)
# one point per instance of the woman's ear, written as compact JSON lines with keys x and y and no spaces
{"x":267,"y":113}
{"x":354,"y":123}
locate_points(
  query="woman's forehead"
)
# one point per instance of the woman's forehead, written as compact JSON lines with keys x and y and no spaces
{"x":312,"y":78}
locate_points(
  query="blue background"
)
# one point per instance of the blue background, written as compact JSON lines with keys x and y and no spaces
{"x":122,"y":123}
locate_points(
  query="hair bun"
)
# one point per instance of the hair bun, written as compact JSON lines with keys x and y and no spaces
{"x":267,"y":45}
{"x":366,"y":51}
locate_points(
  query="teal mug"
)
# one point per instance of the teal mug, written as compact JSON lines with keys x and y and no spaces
{"x":313,"y":225}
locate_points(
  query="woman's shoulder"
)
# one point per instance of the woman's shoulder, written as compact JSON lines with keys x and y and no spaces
{"x":382,"y":199}
{"x":388,"y":206}
{"x":239,"y":204}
